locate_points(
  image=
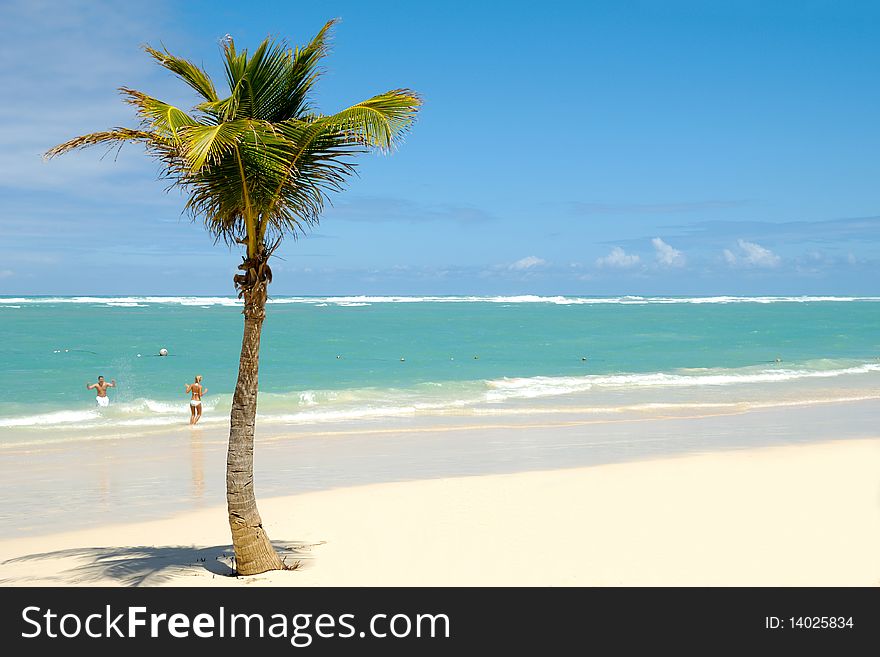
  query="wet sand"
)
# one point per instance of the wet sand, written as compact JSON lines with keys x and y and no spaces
{"x":795,"y":515}
{"x":91,"y":483}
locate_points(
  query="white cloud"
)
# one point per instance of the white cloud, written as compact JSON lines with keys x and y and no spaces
{"x":667,"y":256}
{"x":527,"y":263}
{"x":6,"y":273}
{"x":757,"y":255}
{"x":618,"y":258}
{"x":753,"y":255}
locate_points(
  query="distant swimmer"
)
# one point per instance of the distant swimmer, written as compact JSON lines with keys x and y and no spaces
{"x":101,"y":386}
{"x":195,"y":404}
{"x":778,"y":360}
{"x":476,"y":358}
{"x":402,"y":359}
{"x":583,"y":358}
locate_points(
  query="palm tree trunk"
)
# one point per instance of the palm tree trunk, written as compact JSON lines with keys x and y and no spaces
{"x":253,"y":552}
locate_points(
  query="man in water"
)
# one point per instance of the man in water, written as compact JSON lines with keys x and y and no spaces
{"x":101,"y":386}
{"x":195,"y":404}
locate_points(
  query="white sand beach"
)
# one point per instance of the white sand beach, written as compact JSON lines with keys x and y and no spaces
{"x":636,"y":353}
{"x":797,"y":515}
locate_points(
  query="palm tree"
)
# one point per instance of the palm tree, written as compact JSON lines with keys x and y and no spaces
{"x":257,"y":166}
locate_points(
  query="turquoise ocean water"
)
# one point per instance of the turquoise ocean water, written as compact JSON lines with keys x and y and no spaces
{"x":334,"y":359}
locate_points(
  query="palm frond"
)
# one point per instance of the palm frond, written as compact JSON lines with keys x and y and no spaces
{"x":302,"y":74}
{"x":164,"y":119}
{"x":379,"y":121}
{"x":207,"y":144}
{"x":231,"y":188}
{"x":117,"y":136}
{"x":323,"y":147}
{"x":235,"y":63}
{"x":258,"y":164}
{"x":186,"y":71}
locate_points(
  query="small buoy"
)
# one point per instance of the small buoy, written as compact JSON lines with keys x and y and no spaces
{"x":139,"y":355}
{"x":402,"y":359}
{"x":163,"y":351}
{"x":583,"y":358}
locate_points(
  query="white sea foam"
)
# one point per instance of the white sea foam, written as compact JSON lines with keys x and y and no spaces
{"x":563,"y":300}
{"x":130,"y":300}
{"x":48,"y":419}
{"x":164,"y":407}
{"x":543,"y":386}
{"x":354,"y":301}
{"x":319,"y":406}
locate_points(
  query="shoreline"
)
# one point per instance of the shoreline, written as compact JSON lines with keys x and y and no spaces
{"x":796,"y":515}
{"x":171,"y":472}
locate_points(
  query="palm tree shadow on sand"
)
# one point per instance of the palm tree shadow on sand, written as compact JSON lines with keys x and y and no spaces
{"x":147,"y":565}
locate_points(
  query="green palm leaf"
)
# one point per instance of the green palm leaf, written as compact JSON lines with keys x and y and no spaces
{"x":186,"y":71}
{"x":259,"y":162}
{"x":164,"y":119}
{"x":379,"y":121}
{"x":256,"y":165}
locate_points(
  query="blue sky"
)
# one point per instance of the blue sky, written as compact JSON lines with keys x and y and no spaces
{"x":563,"y":148}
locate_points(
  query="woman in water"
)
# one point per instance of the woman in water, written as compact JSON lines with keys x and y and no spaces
{"x":195,"y":404}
